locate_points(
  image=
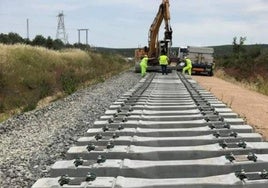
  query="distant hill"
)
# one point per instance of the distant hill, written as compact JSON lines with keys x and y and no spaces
{"x":126,"y":52}
{"x":226,"y":50}
{"x":223,"y":50}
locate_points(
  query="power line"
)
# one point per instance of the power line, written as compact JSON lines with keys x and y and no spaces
{"x":61,"y":34}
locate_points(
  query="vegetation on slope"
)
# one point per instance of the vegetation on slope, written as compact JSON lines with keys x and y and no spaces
{"x":29,"y":74}
{"x":244,"y":64}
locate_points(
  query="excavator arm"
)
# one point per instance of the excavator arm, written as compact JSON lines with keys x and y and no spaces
{"x":163,"y":14}
{"x":156,"y":47}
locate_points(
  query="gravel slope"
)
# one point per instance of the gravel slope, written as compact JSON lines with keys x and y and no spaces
{"x":32,"y":141}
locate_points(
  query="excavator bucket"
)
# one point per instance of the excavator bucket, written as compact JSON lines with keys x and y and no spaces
{"x":168,"y":35}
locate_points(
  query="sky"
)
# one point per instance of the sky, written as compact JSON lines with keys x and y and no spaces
{"x":126,"y":23}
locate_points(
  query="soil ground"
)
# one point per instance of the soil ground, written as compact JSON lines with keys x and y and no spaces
{"x":250,"y":105}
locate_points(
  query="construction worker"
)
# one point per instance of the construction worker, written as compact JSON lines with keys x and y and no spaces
{"x":143,"y":65}
{"x":163,"y":61}
{"x":188,"y":66}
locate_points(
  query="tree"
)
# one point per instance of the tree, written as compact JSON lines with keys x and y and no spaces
{"x":4,"y":38}
{"x":11,"y":38}
{"x":58,"y":44}
{"x":39,"y":40}
{"x":238,"y":48}
{"x":81,"y":46}
{"x":15,"y":38}
{"x":49,"y":43}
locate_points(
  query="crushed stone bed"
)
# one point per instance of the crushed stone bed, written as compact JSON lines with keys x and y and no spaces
{"x":31,"y":142}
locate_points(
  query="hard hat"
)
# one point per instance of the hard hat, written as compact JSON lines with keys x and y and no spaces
{"x":145,"y":56}
{"x":185,"y":57}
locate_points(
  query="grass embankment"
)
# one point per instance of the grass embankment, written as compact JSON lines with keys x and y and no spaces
{"x":29,"y":74}
{"x":249,"y":69}
{"x":258,"y":83}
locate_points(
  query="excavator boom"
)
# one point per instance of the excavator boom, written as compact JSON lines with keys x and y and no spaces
{"x":163,"y":14}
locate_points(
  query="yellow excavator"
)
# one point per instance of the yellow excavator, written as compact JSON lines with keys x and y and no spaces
{"x":155,"y":47}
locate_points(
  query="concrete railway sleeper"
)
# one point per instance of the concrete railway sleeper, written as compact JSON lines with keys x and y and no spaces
{"x":166,"y":132}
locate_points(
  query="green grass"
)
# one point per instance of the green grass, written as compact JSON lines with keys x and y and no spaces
{"x":29,"y":74}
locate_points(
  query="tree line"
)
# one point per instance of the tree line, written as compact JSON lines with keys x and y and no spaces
{"x":39,"y":40}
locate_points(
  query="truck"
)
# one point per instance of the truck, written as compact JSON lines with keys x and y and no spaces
{"x":201,"y":57}
{"x":156,"y":47}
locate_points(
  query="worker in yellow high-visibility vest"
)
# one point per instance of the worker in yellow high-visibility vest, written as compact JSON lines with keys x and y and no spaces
{"x":163,"y":61}
{"x":188,"y":66}
{"x":143,"y":65}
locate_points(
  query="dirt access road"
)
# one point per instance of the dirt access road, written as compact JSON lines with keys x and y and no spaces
{"x":250,"y":105}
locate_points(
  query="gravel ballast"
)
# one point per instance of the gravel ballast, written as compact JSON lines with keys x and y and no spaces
{"x":31,"y":142}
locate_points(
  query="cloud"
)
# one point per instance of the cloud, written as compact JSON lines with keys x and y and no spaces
{"x":217,"y":32}
{"x":259,"y":6}
{"x":45,"y":6}
{"x":123,"y":23}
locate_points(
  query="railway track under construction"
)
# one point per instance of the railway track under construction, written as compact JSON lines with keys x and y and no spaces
{"x":166,"y":132}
